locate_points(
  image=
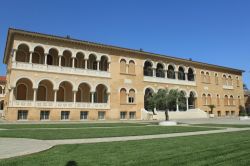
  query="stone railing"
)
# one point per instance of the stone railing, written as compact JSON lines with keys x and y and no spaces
{"x":51,"y":104}
{"x":169,"y":81}
{"x":58,"y":69}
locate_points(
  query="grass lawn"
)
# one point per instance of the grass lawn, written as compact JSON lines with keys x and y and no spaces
{"x":68,"y":125}
{"x":215,"y":149}
{"x":48,"y":134}
{"x":223,"y":125}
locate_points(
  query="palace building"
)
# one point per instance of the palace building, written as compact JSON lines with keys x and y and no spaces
{"x":59,"y":78}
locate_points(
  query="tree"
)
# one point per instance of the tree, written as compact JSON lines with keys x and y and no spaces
{"x":166,"y":100}
{"x":211,"y":108}
{"x":245,"y":87}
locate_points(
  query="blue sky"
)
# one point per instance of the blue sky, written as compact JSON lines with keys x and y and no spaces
{"x":211,"y":31}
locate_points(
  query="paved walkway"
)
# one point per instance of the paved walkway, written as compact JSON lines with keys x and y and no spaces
{"x":12,"y":147}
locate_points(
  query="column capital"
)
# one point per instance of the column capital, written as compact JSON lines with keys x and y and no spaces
{"x":31,"y":52}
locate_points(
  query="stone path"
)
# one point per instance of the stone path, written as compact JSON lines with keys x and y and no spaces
{"x":12,"y":147}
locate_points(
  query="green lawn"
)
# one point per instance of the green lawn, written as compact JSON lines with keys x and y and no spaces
{"x":215,"y":149}
{"x":68,"y":125}
{"x":48,"y":134}
{"x":223,"y":125}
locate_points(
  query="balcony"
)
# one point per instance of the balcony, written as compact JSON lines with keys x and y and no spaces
{"x":169,"y":81}
{"x":51,"y":104}
{"x":60,"y":69}
{"x":228,"y":87}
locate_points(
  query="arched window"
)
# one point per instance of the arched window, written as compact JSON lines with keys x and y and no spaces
{"x":2,"y":105}
{"x":66,"y":59}
{"x":101,"y":94}
{"x":1,"y":90}
{"x":44,"y":91}
{"x":92,"y":62}
{"x":230,"y":81}
{"x":123,"y":96}
{"x":207,"y":77}
{"x":218,"y":100}
{"x":216,"y":79}
{"x":191,"y":75}
{"x":171,"y":72}
{"x":191,"y":100}
{"x":181,"y":73}
{"x":209,"y":99}
{"x":160,"y":70}
{"x":104,"y":64}
{"x":224,"y":79}
{"x":231,"y":100}
{"x":38,"y":55}
{"x":226,"y":100}
{"x":237,"y":81}
{"x":22,"y":53}
{"x":79,"y":61}
{"x":239,"y":101}
{"x":147,"y":69}
{"x":131,"y":96}
{"x":24,"y":89}
{"x":123,"y":66}
{"x":65,"y":92}
{"x":148,"y":94}
{"x":203,"y":77}
{"x":52,"y":57}
{"x":83,"y":94}
{"x":204,"y":99}
{"x":131,"y":67}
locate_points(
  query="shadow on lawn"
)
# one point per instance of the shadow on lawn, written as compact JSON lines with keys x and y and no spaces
{"x":71,"y":163}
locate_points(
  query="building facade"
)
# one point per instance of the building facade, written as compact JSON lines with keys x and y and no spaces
{"x":247,"y":101}
{"x":55,"y":78}
{"x":2,"y":94}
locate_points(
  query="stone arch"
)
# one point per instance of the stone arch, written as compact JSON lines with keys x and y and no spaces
{"x":104,"y":63}
{"x":84,"y":93}
{"x":160,"y":70}
{"x":204,"y":99}
{"x":101,"y":94}
{"x":66,"y":59}
{"x":181,"y":73}
{"x":192,"y":100}
{"x":23,"y":53}
{"x":148,"y":93}
{"x":52,"y":57}
{"x":148,"y":68}
{"x":38,"y":55}
{"x":65,"y":92}
{"x":226,"y":100}
{"x":80,"y":60}
{"x":171,"y":71}
{"x":45,"y":90}
{"x":92,"y":61}
{"x":24,"y":89}
{"x":131,"y":67}
{"x":191,"y":74}
{"x":123,"y":66}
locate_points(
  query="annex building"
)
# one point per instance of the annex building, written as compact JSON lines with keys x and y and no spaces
{"x":56,"y":78}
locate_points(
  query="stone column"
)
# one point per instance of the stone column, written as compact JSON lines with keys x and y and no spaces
{"x":166,"y":73}
{"x":176,"y":75}
{"x":154,"y":72}
{"x":30,"y":60}
{"x":187,"y":103}
{"x":45,"y":58}
{"x":73,"y":62}
{"x":98,"y":64}
{"x":86,"y":63}
{"x":34,"y":95}
{"x":108,"y":67}
{"x":14,"y":55}
{"x":60,"y":60}
{"x":92,"y":97}
{"x":74,"y":93}
{"x":186,"y":76}
{"x":11,"y":96}
{"x":177,"y":105}
{"x":55,"y":95}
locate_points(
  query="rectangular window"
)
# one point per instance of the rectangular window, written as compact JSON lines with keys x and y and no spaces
{"x":218,"y":113}
{"x":131,"y":100}
{"x":101,"y":115}
{"x":22,"y":115}
{"x":123,"y":115}
{"x":44,"y":115}
{"x":232,"y":113}
{"x":132,"y":115}
{"x":84,"y":115}
{"x":227,"y":113}
{"x":65,"y":115}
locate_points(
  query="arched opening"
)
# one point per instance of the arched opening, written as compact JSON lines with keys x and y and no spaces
{"x":131,"y":67}
{"x":24,"y":89}
{"x":52,"y":57}
{"x":216,"y":79}
{"x":203,"y":77}
{"x":181,"y":73}
{"x":230,"y":81}
{"x":224,"y":80}
{"x":123,"y":96}
{"x":104,"y":65}
{"x":65,"y":94}
{"x":148,"y":69}
{"x":79,"y":61}
{"x":226,"y":100}
{"x":191,"y":74}
{"x":218,"y":100}
{"x":231,"y":100}
{"x":1,"y":90}
{"x":92,"y":62}
{"x":148,"y":94}
{"x":239,"y":101}
{"x":182,"y":99}
{"x":207,"y":77}
{"x":101,"y":94}
{"x":38,"y":55}
{"x":66,"y":60}
{"x":160,"y":70}
{"x":192,"y":100}
{"x":45,"y":91}
{"x":209,"y":99}
{"x":22,"y":53}
{"x":131,"y":96}
{"x":123,"y":66}
{"x":2,"y":105}
{"x":171,"y":72}
{"x":204,"y":99}
{"x":83,"y":94}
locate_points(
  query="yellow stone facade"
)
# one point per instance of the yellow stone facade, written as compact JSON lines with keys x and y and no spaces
{"x":48,"y":74}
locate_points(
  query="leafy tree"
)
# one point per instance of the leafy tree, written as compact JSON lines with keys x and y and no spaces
{"x":245,"y":87}
{"x":166,"y":100}
{"x":212,"y":107}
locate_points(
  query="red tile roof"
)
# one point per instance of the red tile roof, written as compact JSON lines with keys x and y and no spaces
{"x":2,"y":78}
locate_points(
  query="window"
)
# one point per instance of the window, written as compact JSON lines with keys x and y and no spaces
{"x":207,"y":77}
{"x":232,"y":113}
{"x":123,"y":115}
{"x":131,"y":67}
{"x":226,"y":100}
{"x":181,"y":73}
{"x":171,"y":72}
{"x":123,"y":66}
{"x":224,"y":79}
{"x":227,"y":113}
{"x":65,"y":115}
{"x":22,"y":115}
{"x":231,"y":100}
{"x":216,"y":79}
{"x":160,"y":70}
{"x":237,"y":81}
{"x":44,"y":115}
{"x":123,"y":96}
{"x":204,"y":100}
{"x":218,"y":113}
{"x":209,"y":99}
{"x":148,"y":69}
{"x":132,"y":115}
{"x":131,"y":96}
{"x":203,"y":77}
{"x":218,"y":100}
{"x":101,"y":115}
{"x":191,"y":76}
{"x":84,"y":115}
